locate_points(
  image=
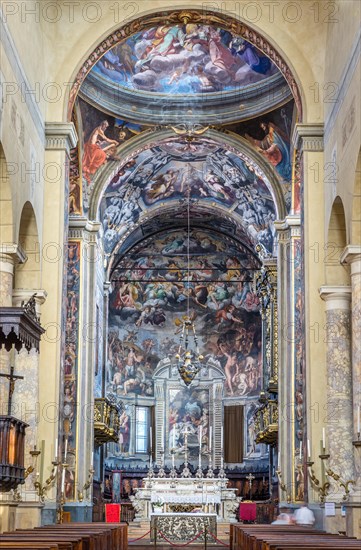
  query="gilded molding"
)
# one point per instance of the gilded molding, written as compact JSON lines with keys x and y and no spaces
{"x":60,"y":136}
{"x":308,"y":137}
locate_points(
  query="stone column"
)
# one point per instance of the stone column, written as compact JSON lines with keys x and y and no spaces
{"x":352,"y":256}
{"x":60,"y":138}
{"x":310,"y":348}
{"x":9,"y":255}
{"x":338,"y":424}
{"x":26,"y":404}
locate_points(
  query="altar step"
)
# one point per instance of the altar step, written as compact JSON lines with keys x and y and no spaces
{"x":139,"y":529}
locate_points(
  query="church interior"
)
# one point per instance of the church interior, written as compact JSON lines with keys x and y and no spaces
{"x":180,"y":269}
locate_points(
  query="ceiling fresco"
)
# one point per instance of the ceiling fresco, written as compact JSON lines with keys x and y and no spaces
{"x":163,"y":70}
{"x":185,"y":59}
{"x":188,"y":176}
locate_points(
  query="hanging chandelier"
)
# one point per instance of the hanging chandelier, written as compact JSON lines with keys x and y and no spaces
{"x":188,"y":359}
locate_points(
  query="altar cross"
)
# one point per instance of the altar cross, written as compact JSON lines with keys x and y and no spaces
{"x":12,"y":379}
{"x":250,"y":478}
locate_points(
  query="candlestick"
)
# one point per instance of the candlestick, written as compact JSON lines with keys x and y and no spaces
{"x":323,"y":438}
{"x":63,"y":480}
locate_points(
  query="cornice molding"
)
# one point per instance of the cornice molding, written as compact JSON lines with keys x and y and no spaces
{"x":336,"y":297}
{"x":308,"y":137}
{"x":13,"y":251}
{"x":60,"y":136}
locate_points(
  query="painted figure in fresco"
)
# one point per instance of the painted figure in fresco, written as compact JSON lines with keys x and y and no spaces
{"x":165,"y":41}
{"x":162,"y":185}
{"x":249,"y":53}
{"x":275,"y":147}
{"x":124,"y":435}
{"x":97,"y":150}
{"x":74,"y":197}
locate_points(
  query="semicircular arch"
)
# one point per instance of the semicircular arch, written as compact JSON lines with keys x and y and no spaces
{"x":234,"y":143}
{"x":180,"y":15}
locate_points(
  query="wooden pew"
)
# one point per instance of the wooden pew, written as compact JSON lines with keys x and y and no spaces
{"x":286,"y":537}
{"x":9,"y":545}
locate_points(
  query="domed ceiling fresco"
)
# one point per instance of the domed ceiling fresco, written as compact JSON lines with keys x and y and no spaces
{"x":165,"y":69}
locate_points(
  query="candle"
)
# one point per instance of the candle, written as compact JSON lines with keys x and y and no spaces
{"x":358,"y":419}
{"x":210,"y":439}
{"x":279,"y":459}
{"x":63,"y":481}
{"x":66,"y":449}
{"x":221,"y":438}
{"x":300,"y":451}
{"x":173,"y":461}
{"x":323,"y":438}
{"x":56,"y":448}
{"x":200,"y":436}
{"x":308,"y":448}
{"x":150,"y":438}
{"x":173,"y":440}
{"x":162,"y":436}
{"x":92,"y":461}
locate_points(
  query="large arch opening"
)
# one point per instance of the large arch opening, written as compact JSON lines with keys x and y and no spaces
{"x":183,"y":166}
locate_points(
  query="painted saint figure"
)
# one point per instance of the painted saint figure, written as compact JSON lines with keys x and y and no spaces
{"x":275,"y":147}
{"x":97,"y":150}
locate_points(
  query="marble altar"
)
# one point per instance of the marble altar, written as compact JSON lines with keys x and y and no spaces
{"x":183,"y":527}
{"x":207,"y":495}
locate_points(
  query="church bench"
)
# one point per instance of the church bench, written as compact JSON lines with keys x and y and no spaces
{"x":87,"y":540}
{"x":282,"y":537}
{"x":116,"y":533}
{"x":64,"y":542}
{"x":9,"y":545}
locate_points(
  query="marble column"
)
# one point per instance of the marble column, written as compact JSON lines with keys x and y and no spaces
{"x":352,"y":257}
{"x":338,"y":421}
{"x":26,"y":404}
{"x":9,"y":255}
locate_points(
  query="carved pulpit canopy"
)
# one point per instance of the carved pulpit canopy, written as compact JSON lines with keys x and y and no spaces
{"x":20,"y":326}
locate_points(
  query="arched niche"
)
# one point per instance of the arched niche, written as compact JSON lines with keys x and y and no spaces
{"x":6,"y":204}
{"x":336,"y":274}
{"x":27,"y":275}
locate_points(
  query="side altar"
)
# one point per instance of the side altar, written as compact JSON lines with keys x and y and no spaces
{"x":177,"y":495}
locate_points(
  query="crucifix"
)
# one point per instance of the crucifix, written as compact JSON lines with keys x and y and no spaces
{"x":250,"y":478}
{"x":12,"y":379}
